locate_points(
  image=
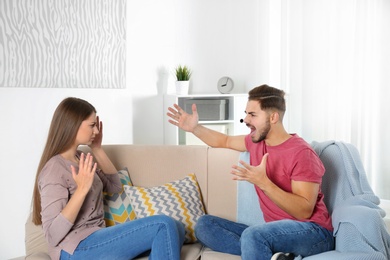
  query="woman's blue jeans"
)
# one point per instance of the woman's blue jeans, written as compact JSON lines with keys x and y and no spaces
{"x":160,"y":234}
{"x":262,"y":241}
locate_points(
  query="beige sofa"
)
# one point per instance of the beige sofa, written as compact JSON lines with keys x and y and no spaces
{"x":344,"y":184}
{"x":154,"y":165}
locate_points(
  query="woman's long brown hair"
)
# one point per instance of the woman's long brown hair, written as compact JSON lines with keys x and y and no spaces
{"x":67,"y":118}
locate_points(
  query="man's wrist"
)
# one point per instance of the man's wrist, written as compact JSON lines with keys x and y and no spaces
{"x":196,"y":129}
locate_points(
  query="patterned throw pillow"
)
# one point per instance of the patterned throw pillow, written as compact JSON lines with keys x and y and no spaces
{"x":117,"y":206}
{"x":179,"y":199}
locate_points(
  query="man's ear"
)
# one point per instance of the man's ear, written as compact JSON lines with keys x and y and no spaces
{"x":274,"y":117}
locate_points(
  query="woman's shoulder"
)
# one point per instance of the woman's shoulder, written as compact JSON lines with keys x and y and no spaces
{"x":57,"y":165}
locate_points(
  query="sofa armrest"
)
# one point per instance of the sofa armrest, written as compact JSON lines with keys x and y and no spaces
{"x":38,"y":256}
{"x":35,"y":242}
{"x":345,"y":256}
{"x":359,"y":228}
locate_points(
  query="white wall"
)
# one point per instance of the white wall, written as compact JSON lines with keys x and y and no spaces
{"x":25,"y":116}
{"x":215,"y":38}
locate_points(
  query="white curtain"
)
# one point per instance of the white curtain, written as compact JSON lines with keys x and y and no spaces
{"x":337,"y":68}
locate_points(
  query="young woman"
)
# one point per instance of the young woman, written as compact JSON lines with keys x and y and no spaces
{"x":68,"y":199}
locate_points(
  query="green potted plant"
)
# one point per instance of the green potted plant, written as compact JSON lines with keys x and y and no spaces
{"x":183,"y":75}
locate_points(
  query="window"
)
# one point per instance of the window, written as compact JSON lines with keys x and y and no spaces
{"x":337,"y":72}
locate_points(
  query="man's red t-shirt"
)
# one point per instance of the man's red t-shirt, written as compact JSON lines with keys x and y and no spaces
{"x":292,"y":160}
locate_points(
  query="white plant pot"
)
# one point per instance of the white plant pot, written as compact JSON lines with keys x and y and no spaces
{"x":182,"y":87}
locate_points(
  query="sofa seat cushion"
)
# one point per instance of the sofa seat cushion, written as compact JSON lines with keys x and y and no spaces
{"x":208,"y":254}
{"x":188,"y":252}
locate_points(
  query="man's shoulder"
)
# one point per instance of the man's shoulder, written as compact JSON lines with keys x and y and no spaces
{"x":298,"y":142}
{"x":299,"y":147}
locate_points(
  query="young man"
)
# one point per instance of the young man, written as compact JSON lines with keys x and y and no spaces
{"x":287,"y":176}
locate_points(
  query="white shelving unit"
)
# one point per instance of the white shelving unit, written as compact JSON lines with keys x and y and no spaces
{"x":221,"y":118}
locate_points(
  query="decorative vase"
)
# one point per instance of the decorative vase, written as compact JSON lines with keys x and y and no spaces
{"x":182,"y":87}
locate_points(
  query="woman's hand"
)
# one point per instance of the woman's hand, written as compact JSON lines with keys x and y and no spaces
{"x":97,"y":141}
{"x":100,"y":155}
{"x":84,"y":180}
{"x":84,"y":177}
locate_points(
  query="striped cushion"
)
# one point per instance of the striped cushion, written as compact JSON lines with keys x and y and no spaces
{"x":179,"y":199}
{"x":117,"y":206}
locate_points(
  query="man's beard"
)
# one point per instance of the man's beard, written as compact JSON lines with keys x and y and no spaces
{"x":264,"y":133}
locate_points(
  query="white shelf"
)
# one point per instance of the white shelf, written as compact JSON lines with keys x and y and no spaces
{"x":204,"y":122}
{"x":230,"y":125}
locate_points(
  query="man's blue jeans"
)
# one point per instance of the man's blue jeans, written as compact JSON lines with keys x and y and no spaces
{"x":262,"y":241}
{"x":161,"y":234}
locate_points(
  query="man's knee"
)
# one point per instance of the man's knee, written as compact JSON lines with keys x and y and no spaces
{"x":253,"y":236}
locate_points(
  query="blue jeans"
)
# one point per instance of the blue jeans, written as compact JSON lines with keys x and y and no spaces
{"x":262,"y":241}
{"x":160,"y":234}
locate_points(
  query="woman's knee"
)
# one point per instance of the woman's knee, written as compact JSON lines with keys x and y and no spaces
{"x":202,"y":226}
{"x":167,"y":220}
{"x":203,"y":223}
{"x":180,"y":229}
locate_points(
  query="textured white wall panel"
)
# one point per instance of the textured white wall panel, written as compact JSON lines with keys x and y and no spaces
{"x":62,"y":43}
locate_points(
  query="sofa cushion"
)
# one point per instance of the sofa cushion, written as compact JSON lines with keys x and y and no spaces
{"x":248,"y":208}
{"x":180,"y":199}
{"x":117,"y":206}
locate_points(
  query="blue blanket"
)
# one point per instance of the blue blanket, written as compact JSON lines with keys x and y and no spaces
{"x":356,"y":216}
{"x":357,"y":219}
